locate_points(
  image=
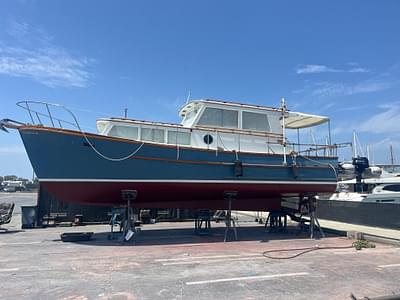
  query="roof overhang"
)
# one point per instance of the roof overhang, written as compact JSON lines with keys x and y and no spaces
{"x":296,"y":120}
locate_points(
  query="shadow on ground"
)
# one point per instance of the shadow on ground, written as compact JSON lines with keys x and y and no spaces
{"x":175,"y":236}
{"x":8,"y":231}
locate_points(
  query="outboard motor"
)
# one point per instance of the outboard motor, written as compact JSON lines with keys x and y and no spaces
{"x":360,"y":165}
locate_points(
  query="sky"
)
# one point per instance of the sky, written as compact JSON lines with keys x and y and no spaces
{"x":336,"y":58}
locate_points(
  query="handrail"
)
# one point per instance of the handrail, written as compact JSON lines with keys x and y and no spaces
{"x":26,"y":106}
{"x":76,"y":124}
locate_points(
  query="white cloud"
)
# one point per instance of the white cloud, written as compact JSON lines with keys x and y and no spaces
{"x":342,"y":89}
{"x":32,"y":54}
{"x":49,"y":66}
{"x":387,"y":121}
{"x":358,"y":70}
{"x":315,"y":69}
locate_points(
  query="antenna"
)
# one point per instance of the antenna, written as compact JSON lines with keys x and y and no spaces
{"x":125,"y":112}
{"x":188,"y":97}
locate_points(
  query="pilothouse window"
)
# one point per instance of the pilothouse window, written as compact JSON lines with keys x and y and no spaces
{"x":126,"y":132}
{"x":153,"y":135}
{"x":219,"y":118}
{"x":180,"y":138}
{"x":255,"y":121}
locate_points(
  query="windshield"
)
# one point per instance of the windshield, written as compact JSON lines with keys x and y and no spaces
{"x":189,"y":117}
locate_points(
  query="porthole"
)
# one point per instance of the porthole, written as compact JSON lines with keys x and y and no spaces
{"x":208,"y":139}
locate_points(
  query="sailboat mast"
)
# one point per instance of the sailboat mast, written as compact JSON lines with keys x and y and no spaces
{"x":391,"y":156}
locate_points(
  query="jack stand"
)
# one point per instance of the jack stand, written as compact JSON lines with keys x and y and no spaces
{"x":128,"y":230}
{"x":202,"y":222}
{"x":275,"y":220}
{"x":229,"y":221}
{"x":115,"y":213}
{"x":309,"y":204}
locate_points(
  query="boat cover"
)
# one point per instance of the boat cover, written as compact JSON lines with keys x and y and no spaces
{"x":296,"y":120}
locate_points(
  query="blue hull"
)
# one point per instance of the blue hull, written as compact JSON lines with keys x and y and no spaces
{"x":164,"y":176}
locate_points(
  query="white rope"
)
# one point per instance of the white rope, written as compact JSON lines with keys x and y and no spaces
{"x":226,"y":148}
{"x":97,"y":151}
{"x":87,"y":139}
{"x":320,"y":163}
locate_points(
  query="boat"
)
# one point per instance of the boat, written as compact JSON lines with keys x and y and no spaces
{"x":383,"y":189}
{"x":371,"y":199}
{"x":218,"y":147}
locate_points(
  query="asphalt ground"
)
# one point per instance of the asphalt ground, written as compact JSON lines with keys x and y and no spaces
{"x":167,"y":261}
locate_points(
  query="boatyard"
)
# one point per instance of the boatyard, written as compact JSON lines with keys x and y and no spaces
{"x":168,"y":261}
{"x":199,"y":150}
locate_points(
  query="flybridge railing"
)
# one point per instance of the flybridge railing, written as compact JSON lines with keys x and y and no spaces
{"x":42,"y":111}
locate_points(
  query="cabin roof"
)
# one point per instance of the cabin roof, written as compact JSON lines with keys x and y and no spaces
{"x":188,"y":106}
{"x":293,"y":120}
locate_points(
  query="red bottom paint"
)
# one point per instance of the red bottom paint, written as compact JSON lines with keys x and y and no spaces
{"x":258,"y":197}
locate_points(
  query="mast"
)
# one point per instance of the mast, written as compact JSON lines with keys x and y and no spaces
{"x":354,"y":144}
{"x":391,"y":156}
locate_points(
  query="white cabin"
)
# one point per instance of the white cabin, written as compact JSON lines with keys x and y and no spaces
{"x":216,"y":125}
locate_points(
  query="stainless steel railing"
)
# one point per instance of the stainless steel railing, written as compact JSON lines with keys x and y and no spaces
{"x":39,"y":111}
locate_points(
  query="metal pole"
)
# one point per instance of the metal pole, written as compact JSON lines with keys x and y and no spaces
{"x":30,"y":114}
{"x":51,"y":119}
{"x":329,"y":137}
{"x":283,"y":108}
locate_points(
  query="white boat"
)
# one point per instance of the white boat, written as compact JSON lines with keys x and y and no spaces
{"x":384,"y":189}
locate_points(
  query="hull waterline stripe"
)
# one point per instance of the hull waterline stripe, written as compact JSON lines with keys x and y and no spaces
{"x":186,"y":181}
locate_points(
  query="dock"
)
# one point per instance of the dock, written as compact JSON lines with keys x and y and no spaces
{"x":168,"y":261}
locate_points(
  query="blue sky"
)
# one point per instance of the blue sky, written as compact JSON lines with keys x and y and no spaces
{"x":337,"y":58}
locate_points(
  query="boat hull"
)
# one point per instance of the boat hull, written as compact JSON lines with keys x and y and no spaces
{"x":167,"y":176}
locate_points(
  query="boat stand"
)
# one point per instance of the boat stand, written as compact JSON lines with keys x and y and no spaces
{"x":308,"y":206}
{"x":230,"y":222}
{"x":115,"y":213}
{"x":277,"y":220}
{"x":202,"y":222}
{"x":128,"y":222}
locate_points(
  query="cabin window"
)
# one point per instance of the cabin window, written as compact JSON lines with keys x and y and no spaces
{"x":392,"y":188}
{"x":176,"y":137}
{"x":255,"y":121}
{"x":152,"y":135}
{"x":219,"y":118}
{"x":126,"y":132}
